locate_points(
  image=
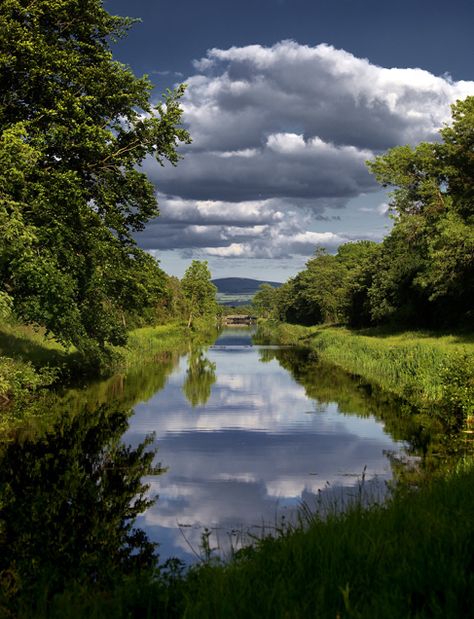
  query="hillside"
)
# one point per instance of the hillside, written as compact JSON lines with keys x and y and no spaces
{"x":240,"y":285}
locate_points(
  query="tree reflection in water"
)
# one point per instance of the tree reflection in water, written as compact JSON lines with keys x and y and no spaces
{"x":68,"y":500}
{"x":200,"y":377}
{"x":424,"y":433}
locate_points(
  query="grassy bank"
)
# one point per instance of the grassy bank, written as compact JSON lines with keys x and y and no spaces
{"x":427,"y":369}
{"x":410,"y":558}
{"x":404,"y":560}
{"x":30,"y":361}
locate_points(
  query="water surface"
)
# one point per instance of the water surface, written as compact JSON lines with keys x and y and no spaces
{"x":247,"y":434}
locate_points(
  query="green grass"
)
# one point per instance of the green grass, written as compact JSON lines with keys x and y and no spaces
{"x":421,"y":367}
{"x":31,"y":361}
{"x":413,"y":558}
{"x":410,"y":558}
{"x":25,"y":342}
{"x":146,"y":342}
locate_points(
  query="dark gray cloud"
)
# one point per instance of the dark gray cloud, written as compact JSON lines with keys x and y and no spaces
{"x":286,"y":166}
{"x":280,"y":135}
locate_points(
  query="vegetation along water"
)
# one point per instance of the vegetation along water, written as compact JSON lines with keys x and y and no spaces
{"x":155,"y":465}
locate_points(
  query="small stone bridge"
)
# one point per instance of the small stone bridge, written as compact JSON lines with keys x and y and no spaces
{"x":239,"y":319}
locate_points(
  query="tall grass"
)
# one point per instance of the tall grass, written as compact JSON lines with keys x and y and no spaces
{"x":30,"y":361}
{"x":423,"y":368}
{"x":409,"y":558}
{"x":413,"y":558}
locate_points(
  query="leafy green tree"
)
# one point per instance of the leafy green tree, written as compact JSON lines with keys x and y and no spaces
{"x":75,"y":127}
{"x":359,"y":259}
{"x":316,"y":294}
{"x":177,"y":305}
{"x":264,"y":301}
{"x":199,"y":291}
{"x":426,"y":272}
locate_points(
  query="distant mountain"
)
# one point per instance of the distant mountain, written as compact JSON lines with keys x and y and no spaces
{"x":241,"y":285}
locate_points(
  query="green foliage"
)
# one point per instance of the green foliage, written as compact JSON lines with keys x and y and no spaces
{"x":330,"y":289}
{"x":425,"y":274}
{"x":6,"y":303}
{"x":75,"y":127}
{"x":431,"y":372}
{"x":68,"y":501}
{"x":199,"y":292}
{"x":263,"y":303}
{"x":20,"y":378}
{"x":30,"y":361}
{"x":422,"y":274}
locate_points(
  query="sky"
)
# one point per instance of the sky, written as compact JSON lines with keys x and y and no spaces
{"x":286,"y":100}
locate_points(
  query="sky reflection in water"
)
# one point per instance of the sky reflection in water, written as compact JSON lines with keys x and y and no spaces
{"x":252,"y":453}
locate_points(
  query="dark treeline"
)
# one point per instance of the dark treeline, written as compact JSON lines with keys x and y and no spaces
{"x":422,"y":273}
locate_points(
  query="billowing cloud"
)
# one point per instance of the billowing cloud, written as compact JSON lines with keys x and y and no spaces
{"x":286,"y":165}
{"x":280,"y":135}
{"x":319,"y":91}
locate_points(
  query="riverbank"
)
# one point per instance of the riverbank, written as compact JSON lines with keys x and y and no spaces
{"x":431,"y":371}
{"x":31,"y":362}
{"x":409,"y":558}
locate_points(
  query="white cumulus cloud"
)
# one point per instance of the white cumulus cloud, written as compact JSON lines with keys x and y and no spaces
{"x":281,"y":134}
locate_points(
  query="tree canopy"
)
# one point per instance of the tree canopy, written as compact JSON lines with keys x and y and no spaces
{"x":199,"y":291}
{"x":422,"y":274}
{"x":75,"y":127}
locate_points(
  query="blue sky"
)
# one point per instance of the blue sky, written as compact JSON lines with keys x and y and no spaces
{"x":286,"y":101}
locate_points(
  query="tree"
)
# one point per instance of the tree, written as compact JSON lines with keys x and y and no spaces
{"x":359,"y":259}
{"x":264,"y":301}
{"x":75,"y":127}
{"x":199,"y":291}
{"x":427,"y":262}
{"x":316,"y":294}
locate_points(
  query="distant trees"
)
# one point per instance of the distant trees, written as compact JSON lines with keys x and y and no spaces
{"x":264,"y":300}
{"x":199,"y":292}
{"x":74,"y":127}
{"x":423,"y":272}
{"x":328,"y":290}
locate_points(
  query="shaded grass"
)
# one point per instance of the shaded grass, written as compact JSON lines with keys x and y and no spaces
{"x":31,"y":361}
{"x":411,"y":558}
{"x":31,"y":345}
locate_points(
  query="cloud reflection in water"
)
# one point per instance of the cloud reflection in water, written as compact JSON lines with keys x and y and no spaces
{"x":256,"y":450}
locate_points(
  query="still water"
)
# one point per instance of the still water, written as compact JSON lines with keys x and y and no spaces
{"x":248,"y":434}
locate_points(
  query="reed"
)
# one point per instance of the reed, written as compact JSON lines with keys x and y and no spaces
{"x":408,"y":558}
{"x":424,"y":368}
